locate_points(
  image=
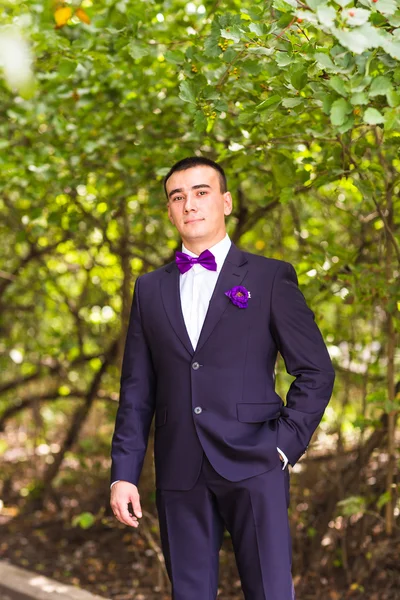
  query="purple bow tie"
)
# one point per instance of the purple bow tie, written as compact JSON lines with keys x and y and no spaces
{"x":184,"y":261}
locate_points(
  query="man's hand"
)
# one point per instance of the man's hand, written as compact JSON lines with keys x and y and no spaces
{"x":123,"y":493}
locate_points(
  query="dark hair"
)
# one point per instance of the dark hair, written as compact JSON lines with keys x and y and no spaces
{"x":197,"y":161}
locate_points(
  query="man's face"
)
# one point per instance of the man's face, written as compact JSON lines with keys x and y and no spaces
{"x":196,"y":205}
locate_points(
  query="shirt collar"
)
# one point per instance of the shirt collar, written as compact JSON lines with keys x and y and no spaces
{"x":220,"y":250}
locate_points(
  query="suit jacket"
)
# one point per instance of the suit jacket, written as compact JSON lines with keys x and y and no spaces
{"x":219,"y":398}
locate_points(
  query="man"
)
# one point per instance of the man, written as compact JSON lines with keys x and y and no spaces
{"x":201,"y":347}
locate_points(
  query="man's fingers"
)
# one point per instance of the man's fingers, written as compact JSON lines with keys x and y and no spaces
{"x":123,"y":515}
{"x":126,"y":517}
{"x":125,"y":503}
{"x":137,"y":510}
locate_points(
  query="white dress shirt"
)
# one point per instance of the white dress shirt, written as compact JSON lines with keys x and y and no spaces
{"x":196,"y":288}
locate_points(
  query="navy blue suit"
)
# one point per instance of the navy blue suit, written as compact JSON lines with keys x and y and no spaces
{"x":218,"y":419}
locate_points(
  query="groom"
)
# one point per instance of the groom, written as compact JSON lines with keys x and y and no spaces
{"x":200,"y":353}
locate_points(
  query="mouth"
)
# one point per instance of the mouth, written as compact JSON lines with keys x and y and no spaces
{"x":193,"y":221}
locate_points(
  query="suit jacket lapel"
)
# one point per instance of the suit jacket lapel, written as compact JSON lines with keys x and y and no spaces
{"x":232,"y":273}
{"x":171,"y":297}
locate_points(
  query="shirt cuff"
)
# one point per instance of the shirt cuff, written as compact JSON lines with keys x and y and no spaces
{"x":285,"y":458}
{"x":114,"y":482}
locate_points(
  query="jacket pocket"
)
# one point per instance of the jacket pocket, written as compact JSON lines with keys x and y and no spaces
{"x":161,"y":417}
{"x":257,"y":412}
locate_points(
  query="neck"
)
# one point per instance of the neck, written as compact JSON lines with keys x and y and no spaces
{"x":198,"y":246}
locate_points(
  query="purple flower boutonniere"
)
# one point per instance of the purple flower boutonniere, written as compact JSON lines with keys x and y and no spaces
{"x":239,"y":296}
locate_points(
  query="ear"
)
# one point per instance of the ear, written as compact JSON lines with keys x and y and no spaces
{"x":169,"y":214}
{"x":227,"y":203}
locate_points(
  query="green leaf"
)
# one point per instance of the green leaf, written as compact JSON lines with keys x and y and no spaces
{"x":298,"y":76}
{"x":393,"y":98}
{"x":326,"y":15}
{"x":268,"y":102}
{"x":307,"y":15}
{"x":187,"y":92}
{"x":283,"y":59}
{"x":200,"y":121}
{"x":355,"y":40}
{"x":313,"y":4}
{"x":392,"y":120}
{"x":383,"y":500}
{"x":257,"y":28}
{"x":396,"y":75}
{"x":229,"y":55}
{"x":221,"y":105}
{"x":359,"y":98}
{"x":85,"y":520}
{"x":283,"y":5}
{"x":291,"y":102}
{"x":255,"y":12}
{"x":138,"y":50}
{"x":324,"y":60}
{"x":371,"y":33}
{"x":261,"y":50}
{"x":356,"y":16}
{"x":380,"y":86}
{"x":339,"y":111}
{"x":386,"y":7}
{"x":373,"y":117}
{"x":252,"y":66}
{"x":175,"y":57}
{"x":210,"y":93}
{"x":395,"y":19}
{"x":337,"y":84}
{"x":327,"y":103}
{"x":352,"y":505}
{"x":211,"y":48}
{"x":347,"y":125}
{"x":66,"y":67}
{"x":358,"y":84}
{"x":391,"y":46}
{"x":232,"y":33}
{"x":283,"y":170}
{"x":246,"y":116}
{"x":343,"y":3}
{"x":286,"y":195}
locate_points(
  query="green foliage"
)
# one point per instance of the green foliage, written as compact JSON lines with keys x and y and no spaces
{"x":302,"y":108}
{"x":352,"y":505}
{"x":85,"y":520}
{"x":383,"y":500}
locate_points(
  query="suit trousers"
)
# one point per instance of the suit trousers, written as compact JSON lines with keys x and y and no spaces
{"x":253,"y":510}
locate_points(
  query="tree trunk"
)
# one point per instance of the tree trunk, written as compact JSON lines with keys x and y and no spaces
{"x":78,"y":420}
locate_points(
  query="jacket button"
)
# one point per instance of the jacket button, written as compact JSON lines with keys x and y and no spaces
{"x":198,"y":410}
{"x":195,"y":366}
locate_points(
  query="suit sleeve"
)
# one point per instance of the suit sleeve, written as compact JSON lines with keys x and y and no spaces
{"x":136,"y":402}
{"x":306,"y":358}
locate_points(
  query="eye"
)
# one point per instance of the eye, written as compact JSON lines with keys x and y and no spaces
{"x":202,"y":192}
{"x":177,"y":198}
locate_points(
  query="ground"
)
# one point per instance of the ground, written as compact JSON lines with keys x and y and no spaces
{"x":74,"y":538}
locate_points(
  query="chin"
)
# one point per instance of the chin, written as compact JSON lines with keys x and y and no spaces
{"x":194,"y":229}
{"x":193,"y":235}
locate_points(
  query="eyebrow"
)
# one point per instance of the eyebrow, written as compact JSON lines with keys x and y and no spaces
{"x":194,"y":187}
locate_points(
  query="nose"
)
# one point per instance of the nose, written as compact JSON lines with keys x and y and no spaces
{"x":190,"y":203}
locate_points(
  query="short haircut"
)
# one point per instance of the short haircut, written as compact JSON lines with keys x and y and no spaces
{"x":197,"y":161}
